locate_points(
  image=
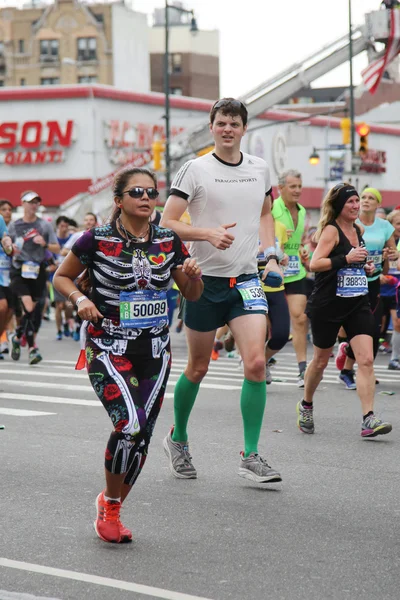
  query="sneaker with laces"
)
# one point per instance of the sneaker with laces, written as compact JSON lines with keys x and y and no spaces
{"x":300,"y":379}
{"x":257,"y":469}
{"x":385,"y":348}
{"x":15,"y":348}
{"x":67,"y":331}
{"x":180,"y":461}
{"x":348,"y":380}
{"x":341,"y":355}
{"x":34,"y":356}
{"x":372,"y":426}
{"x":268,"y":375}
{"x":59,"y":336}
{"x":107,"y":524}
{"x":126,"y":534}
{"x":305,"y":418}
{"x":394,"y":365}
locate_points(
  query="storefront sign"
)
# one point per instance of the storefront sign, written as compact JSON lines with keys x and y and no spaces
{"x":374,"y":161}
{"x":127,"y":142}
{"x":34,"y":142}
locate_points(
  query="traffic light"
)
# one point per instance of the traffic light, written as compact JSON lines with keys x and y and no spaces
{"x":345,"y":126}
{"x":363,"y":131}
{"x":158,"y":148}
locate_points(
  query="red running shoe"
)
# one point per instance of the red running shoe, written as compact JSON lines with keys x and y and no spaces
{"x":126,"y":534}
{"x":107,"y":525}
{"x":341,"y":355}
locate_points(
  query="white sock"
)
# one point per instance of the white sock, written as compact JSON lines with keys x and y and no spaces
{"x":111,"y":499}
{"x":395,"y":345}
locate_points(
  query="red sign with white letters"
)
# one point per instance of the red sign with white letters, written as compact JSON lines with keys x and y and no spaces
{"x":34,"y":142}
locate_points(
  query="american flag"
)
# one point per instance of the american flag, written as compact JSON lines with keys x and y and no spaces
{"x":372,"y":75}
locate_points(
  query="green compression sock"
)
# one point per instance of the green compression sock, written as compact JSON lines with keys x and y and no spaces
{"x":252,"y":404}
{"x":184,"y":398}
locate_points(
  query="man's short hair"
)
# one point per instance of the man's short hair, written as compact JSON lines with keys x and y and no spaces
{"x":288,"y":173}
{"x":62,"y":219}
{"x":231,"y":107}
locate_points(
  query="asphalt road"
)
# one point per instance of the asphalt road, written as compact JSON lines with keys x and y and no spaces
{"x":328,"y":531}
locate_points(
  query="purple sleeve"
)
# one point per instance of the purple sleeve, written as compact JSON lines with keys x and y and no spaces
{"x":83,"y":248}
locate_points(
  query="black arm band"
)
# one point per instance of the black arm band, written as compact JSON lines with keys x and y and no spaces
{"x":271,"y":257}
{"x":338,"y":262}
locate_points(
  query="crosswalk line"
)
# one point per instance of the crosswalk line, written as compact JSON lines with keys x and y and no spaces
{"x":49,"y":399}
{"x":17,"y":412}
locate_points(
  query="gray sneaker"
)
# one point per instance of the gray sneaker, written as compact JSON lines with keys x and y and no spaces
{"x":305,"y":419}
{"x":257,"y":469}
{"x":268,"y":376}
{"x":300,"y":379}
{"x":180,"y":461}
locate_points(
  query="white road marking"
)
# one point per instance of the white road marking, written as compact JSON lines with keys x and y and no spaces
{"x":97,"y":580}
{"x":5,"y":595}
{"x":49,"y":399}
{"x":16,"y":412}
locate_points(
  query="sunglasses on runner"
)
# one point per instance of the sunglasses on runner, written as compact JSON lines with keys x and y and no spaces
{"x":137,"y":192}
{"x":235,"y":103}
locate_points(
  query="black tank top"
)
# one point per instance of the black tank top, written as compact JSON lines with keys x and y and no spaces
{"x":324,"y":291}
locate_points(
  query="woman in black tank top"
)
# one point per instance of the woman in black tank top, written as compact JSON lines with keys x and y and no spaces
{"x":340,"y":297}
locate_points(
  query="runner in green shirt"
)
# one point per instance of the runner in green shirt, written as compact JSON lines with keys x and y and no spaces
{"x":291,"y":214}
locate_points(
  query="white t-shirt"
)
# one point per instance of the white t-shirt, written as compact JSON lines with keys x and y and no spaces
{"x":75,"y":236}
{"x":219,"y":193}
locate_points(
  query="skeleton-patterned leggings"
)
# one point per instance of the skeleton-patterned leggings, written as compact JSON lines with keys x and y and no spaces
{"x":131,"y":388}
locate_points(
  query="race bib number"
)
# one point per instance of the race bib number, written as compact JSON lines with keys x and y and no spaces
{"x":376,"y":257}
{"x":393,"y":270}
{"x":143,"y":309}
{"x":30,"y":270}
{"x":293,"y":266}
{"x":252,"y":295}
{"x":351,"y":283}
{"x":4,"y":271}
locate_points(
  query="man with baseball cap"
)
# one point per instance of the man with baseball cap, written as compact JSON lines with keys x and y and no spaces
{"x":29,"y":241}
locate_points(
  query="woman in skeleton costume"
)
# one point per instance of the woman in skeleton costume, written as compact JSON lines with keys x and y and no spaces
{"x":128,"y":265}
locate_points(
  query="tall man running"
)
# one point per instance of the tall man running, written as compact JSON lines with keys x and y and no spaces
{"x":290,"y":213}
{"x":227,"y":194}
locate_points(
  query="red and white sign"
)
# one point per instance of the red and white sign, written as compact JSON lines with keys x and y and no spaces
{"x":374,"y":161}
{"x":127,"y":142}
{"x":34,"y":142}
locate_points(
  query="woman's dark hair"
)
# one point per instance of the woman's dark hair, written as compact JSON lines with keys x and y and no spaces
{"x":120,"y":183}
{"x":3,"y":202}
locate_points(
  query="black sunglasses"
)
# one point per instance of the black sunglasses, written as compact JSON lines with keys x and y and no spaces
{"x":137,"y":192}
{"x":235,"y":103}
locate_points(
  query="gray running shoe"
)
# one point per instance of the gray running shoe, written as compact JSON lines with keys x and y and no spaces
{"x":372,"y":426}
{"x":300,"y":379}
{"x":394,"y":365}
{"x":268,"y":376}
{"x":305,"y":419}
{"x":180,"y":461}
{"x":257,"y":469}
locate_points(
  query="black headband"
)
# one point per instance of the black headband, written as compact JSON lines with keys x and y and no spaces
{"x":344,"y":194}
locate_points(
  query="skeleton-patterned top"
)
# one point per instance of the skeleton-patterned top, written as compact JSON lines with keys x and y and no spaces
{"x":117,"y":265}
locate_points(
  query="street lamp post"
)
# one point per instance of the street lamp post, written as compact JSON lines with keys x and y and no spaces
{"x":352,"y":126}
{"x":193,"y":29}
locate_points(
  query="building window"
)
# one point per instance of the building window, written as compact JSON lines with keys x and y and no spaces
{"x":177,"y":91}
{"x":87,"y":79}
{"x":49,"y":50}
{"x":21,"y":46}
{"x":176,"y":63}
{"x":87,"y":48}
{"x":22,"y":81}
{"x":49,"y":81}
